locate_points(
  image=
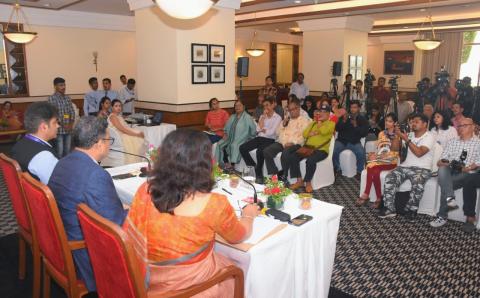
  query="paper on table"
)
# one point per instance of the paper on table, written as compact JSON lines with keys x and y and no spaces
{"x":262,"y":226}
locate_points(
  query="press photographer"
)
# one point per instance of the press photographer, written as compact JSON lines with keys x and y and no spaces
{"x":443,"y":95}
{"x":460,"y":158}
{"x":465,"y":93}
{"x":347,"y":92}
{"x":424,"y":96}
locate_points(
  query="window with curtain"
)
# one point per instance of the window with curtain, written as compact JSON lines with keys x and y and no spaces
{"x":470,"y":64}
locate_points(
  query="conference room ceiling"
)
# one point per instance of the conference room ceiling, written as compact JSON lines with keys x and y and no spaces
{"x":117,"y":7}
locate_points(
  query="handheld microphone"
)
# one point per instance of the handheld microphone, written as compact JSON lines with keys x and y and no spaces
{"x":255,"y":198}
{"x":144,"y":172}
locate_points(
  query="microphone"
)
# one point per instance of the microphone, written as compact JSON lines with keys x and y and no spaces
{"x":144,"y":172}
{"x":255,"y":198}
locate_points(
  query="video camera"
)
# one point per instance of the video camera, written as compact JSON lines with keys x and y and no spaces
{"x":393,"y":83}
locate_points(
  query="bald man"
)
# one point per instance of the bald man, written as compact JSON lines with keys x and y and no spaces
{"x":466,"y":149}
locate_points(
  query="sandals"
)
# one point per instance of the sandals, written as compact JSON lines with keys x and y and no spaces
{"x":362,"y":201}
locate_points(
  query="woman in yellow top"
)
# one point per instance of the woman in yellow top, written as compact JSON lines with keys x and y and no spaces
{"x":385,"y":159}
{"x":174,"y":217}
{"x":10,"y":117}
{"x":318,"y":136}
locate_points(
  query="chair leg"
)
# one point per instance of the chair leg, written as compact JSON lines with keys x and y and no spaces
{"x":21,"y":257}
{"x":37,"y":266}
{"x":46,"y":282}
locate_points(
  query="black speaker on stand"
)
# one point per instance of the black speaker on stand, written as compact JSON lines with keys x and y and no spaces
{"x":337,"y":69}
{"x":242,"y":71}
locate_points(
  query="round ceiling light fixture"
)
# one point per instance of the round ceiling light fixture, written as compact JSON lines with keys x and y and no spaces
{"x":185,"y":9}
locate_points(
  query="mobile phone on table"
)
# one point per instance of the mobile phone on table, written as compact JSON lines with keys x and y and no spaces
{"x":301,"y":219}
{"x":123,"y":176}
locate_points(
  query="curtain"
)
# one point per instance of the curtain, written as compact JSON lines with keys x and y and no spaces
{"x":448,"y":53}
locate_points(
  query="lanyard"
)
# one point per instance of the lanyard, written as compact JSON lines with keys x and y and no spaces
{"x":35,"y":139}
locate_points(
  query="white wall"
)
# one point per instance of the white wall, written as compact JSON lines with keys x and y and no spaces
{"x":376,"y":50}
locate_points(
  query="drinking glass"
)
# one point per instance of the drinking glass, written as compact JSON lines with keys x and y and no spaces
{"x":249,"y":174}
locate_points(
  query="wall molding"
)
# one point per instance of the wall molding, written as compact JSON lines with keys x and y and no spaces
{"x":73,"y":19}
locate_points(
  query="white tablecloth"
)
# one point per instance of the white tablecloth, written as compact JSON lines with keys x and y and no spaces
{"x":295,"y":262}
{"x":155,"y":134}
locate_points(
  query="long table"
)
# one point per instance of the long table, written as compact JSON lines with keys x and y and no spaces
{"x":293,"y":262}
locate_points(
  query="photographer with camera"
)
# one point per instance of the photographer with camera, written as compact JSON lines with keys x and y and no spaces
{"x":460,"y":156}
{"x":351,"y":128}
{"x":416,"y":167}
{"x":465,"y":92}
{"x":381,"y":95}
{"x":347,"y":92}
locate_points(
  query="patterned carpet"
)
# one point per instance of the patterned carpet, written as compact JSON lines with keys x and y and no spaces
{"x":379,"y":258}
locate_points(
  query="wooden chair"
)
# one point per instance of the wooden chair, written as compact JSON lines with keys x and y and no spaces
{"x":117,"y":271}
{"x":11,"y":174}
{"x":56,"y":250}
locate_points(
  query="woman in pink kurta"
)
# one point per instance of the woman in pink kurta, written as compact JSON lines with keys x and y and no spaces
{"x":216,"y":120}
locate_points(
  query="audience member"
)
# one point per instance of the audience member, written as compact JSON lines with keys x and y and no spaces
{"x":124,"y":138}
{"x":216,"y":120}
{"x":308,"y":106}
{"x":239,"y":129}
{"x":337,"y":112}
{"x":318,"y":136}
{"x":269,"y":88}
{"x":174,"y":217}
{"x":259,"y":109}
{"x":470,"y":186}
{"x":347,"y":92}
{"x":104,"y":107}
{"x":381,"y":95}
{"x":92,"y":98}
{"x":266,"y":135}
{"x":123,"y":80}
{"x":428,"y":111}
{"x":384,"y":159}
{"x":276,"y":107}
{"x":460,"y":156}
{"x":457,"y":109}
{"x":446,"y":98}
{"x":66,"y":118}
{"x":33,"y":152}
{"x":107,"y":89}
{"x":442,"y":131}
{"x":290,"y":138}
{"x":416,"y":168}
{"x":291,"y":98}
{"x":10,"y":119}
{"x":374,"y":123}
{"x":360,"y":96}
{"x":127,"y":96}
{"x":299,"y":88}
{"x":351,"y":128}
{"x":78,"y":178}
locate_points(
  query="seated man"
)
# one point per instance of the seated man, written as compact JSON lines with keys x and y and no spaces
{"x":266,"y":135}
{"x":470,"y":185}
{"x":416,"y":168}
{"x":33,"y":152}
{"x":466,"y":149}
{"x":290,"y":138}
{"x":91,"y":185}
{"x":351,"y":128}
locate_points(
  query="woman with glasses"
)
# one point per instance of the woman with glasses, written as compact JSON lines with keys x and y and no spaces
{"x":124,"y":139}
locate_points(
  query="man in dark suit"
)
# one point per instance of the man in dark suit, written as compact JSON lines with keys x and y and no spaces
{"x":78,"y":178}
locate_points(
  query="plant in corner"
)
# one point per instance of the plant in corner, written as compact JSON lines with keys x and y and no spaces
{"x":276,"y":192}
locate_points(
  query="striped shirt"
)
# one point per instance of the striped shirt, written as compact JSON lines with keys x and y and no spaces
{"x":66,"y":112}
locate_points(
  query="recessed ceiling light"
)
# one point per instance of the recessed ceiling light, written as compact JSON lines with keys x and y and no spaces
{"x":47,"y":4}
{"x":347,"y":13}
{"x":405,"y":27}
{"x":297,"y":1}
{"x":423,"y":9}
{"x":277,"y":29}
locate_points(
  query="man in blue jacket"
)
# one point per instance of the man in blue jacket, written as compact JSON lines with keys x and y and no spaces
{"x":78,"y":178}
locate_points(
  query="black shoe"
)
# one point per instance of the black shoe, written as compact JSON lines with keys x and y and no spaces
{"x":468,"y":227}
{"x":386,"y":213}
{"x":411,"y":216}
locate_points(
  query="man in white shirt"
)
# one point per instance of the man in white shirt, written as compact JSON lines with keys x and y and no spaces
{"x":92,"y":98}
{"x":107,"y":90}
{"x":127,"y":96}
{"x":266,"y":135}
{"x":299,"y":88}
{"x":416,"y":168}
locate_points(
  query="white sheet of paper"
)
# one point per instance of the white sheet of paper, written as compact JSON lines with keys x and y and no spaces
{"x":262,"y":226}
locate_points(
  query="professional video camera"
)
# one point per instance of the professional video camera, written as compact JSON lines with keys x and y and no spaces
{"x":369,"y":78}
{"x":333,"y":87}
{"x":441,"y":82}
{"x":393,"y":83}
{"x":465,"y":92}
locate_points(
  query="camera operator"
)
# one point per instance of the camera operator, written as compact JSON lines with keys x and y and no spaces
{"x":351,"y":128}
{"x":460,"y":156}
{"x":360,"y":96}
{"x":381,"y":95}
{"x":416,"y":168}
{"x":347,"y":92}
{"x":465,"y":92}
{"x":446,"y":95}
{"x":423,"y":89}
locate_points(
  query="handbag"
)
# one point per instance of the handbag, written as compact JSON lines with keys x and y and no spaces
{"x":306,"y":150}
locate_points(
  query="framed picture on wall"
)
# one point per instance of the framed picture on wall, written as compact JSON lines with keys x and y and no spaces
{"x":199,"y":74}
{"x":217,"y":74}
{"x":398,"y":62}
{"x":199,"y":53}
{"x":217,"y":53}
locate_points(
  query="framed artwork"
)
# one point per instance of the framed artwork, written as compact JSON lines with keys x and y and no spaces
{"x":199,"y":74}
{"x":217,"y":53}
{"x":217,"y":74}
{"x":398,"y":62}
{"x":199,"y":53}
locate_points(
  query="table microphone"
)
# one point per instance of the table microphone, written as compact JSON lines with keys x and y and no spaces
{"x":255,"y":198}
{"x":144,"y":173}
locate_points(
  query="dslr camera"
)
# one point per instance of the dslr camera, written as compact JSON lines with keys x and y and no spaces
{"x":405,"y":128}
{"x":456,"y":166}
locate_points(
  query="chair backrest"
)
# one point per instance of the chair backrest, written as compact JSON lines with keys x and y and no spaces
{"x":48,"y":225}
{"x":437,"y":153}
{"x":117,"y":272}
{"x":11,"y":173}
{"x":331,"y":147}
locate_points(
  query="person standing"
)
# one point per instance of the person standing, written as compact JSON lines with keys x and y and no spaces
{"x":358,"y":94}
{"x":266,"y":135}
{"x":381,"y":95}
{"x":457,"y":109}
{"x":127,"y":96}
{"x":347,"y":92}
{"x":299,"y":88}
{"x":290,"y":138}
{"x":66,"y":117}
{"x":123,"y":80}
{"x":269,"y":88}
{"x":403,"y":108}
{"x":92,"y":98}
{"x":107,"y":89}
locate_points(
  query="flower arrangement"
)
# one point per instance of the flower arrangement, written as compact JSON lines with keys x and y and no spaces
{"x":276,"y":192}
{"x":152,"y":153}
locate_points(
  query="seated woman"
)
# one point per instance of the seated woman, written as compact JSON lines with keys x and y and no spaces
{"x":174,"y":217}
{"x":442,"y":130}
{"x":374,"y":122}
{"x":309,"y":106}
{"x":337,"y":111}
{"x":317,"y":136}
{"x":124,"y":139}
{"x":104,"y":107}
{"x":386,"y":158}
{"x":240,"y":128}
{"x":215,"y":121}
{"x":10,"y":119}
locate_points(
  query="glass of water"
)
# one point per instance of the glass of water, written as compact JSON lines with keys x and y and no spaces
{"x":249,"y":174}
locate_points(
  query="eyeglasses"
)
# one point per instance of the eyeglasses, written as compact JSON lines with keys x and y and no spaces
{"x":112,"y":140}
{"x":463,"y":125}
